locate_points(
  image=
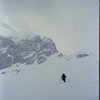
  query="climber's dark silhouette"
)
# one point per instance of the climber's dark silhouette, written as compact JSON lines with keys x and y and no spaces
{"x":63,"y":77}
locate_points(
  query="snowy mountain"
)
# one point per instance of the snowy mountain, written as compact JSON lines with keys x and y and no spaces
{"x":31,"y":68}
{"x":26,"y":50}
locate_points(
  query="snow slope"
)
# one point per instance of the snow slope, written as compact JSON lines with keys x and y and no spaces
{"x":42,"y":81}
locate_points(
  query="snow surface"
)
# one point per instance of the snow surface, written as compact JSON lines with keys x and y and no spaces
{"x":30,"y":55}
{"x":3,"y":50}
{"x":43,"y":81}
{"x":17,"y":36}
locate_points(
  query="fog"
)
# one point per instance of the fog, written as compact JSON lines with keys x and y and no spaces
{"x":72,"y":24}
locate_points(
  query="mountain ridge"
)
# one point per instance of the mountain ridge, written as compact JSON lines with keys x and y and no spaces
{"x":13,"y":52}
{"x":26,"y":47}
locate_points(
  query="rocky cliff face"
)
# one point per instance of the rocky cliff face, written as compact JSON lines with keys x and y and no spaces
{"x":26,"y":50}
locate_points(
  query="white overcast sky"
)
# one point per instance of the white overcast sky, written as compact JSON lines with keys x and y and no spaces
{"x":72,"y":24}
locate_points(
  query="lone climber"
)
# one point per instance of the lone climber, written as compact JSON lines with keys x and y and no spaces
{"x":63,"y":77}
